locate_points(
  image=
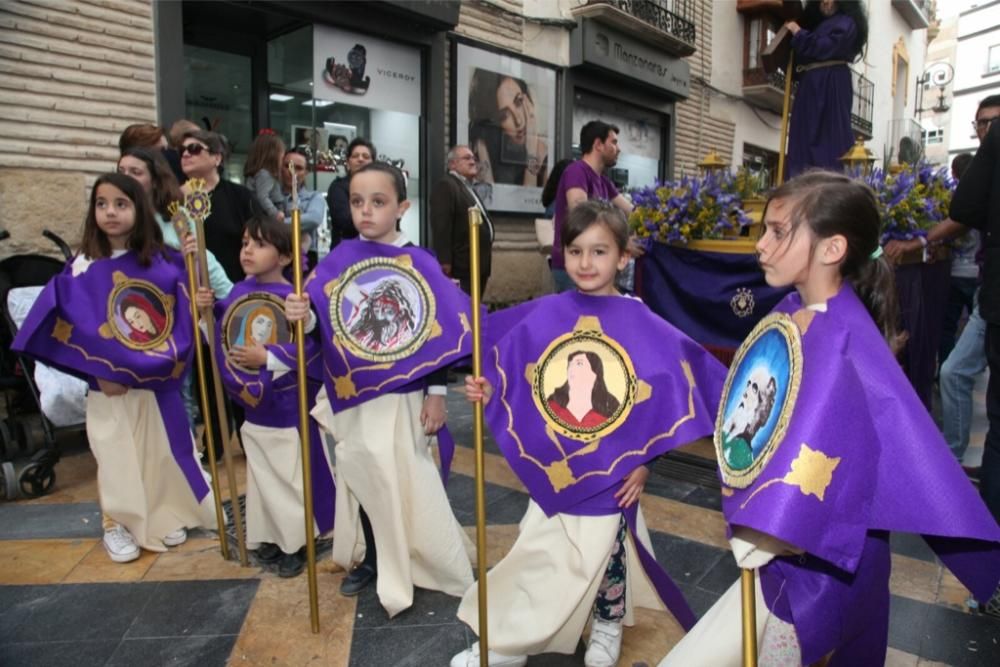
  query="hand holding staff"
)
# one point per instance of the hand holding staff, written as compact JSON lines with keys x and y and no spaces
{"x":300,"y":350}
{"x":198,"y":205}
{"x":183,"y":226}
{"x":475,"y":221}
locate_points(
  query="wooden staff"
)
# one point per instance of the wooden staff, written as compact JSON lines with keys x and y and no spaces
{"x":475,"y":222}
{"x":183,"y":228}
{"x":785,"y":111}
{"x":300,"y":357}
{"x":220,"y":403}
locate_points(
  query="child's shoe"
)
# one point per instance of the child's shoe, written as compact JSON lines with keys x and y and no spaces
{"x":470,"y":658}
{"x":176,"y":537}
{"x":268,"y":553}
{"x":291,"y":565}
{"x":605,"y":644}
{"x":120,"y":545}
{"x":357,"y":579}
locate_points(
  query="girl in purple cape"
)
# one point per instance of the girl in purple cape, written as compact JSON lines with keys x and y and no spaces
{"x":821,"y":554}
{"x":150,"y":486}
{"x":832,"y":35}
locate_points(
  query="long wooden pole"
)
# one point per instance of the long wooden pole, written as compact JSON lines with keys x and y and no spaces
{"x":220,"y":406}
{"x":183,"y":229}
{"x":475,"y":222}
{"x":786,"y":110}
{"x":300,"y":358}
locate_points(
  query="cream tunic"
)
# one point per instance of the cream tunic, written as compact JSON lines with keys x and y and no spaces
{"x":139,"y":482}
{"x":384,"y":463}
{"x":275,"y":506}
{"x":541,"y":595}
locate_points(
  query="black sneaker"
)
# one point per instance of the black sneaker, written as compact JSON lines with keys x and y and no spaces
{"x":291,"y":565}
{"x":268,"y":553}
{"x":357,"y":579}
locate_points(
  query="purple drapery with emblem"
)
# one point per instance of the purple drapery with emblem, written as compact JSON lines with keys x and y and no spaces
{"x":715,"y":298}
{"x":120,"y":321}
{"x":861,"y":457}
{"x":273,"y":401}
{"x":678,"y":385}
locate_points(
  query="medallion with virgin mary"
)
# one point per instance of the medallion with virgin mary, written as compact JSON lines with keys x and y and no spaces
{"x":256,"y":318}
{"x":382,"y":309}
{"x":758,"y":399}
{"x":139,"y":315}
{"x":584,"y":385}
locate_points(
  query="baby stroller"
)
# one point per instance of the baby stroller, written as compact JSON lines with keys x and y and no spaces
{"x":28,"y":450}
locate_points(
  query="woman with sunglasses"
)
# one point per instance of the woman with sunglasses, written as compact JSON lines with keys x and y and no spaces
{"x":202,"y":154}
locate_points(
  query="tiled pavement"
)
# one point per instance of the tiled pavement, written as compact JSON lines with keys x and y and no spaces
{"x":63,"y":602}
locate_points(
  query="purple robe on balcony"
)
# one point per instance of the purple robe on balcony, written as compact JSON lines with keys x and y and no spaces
{"x":821,"y":114}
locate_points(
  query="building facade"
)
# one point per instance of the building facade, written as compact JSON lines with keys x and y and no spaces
{"x":978,"y":50}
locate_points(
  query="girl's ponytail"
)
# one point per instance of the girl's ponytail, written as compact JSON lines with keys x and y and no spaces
{"x":875,"y":284}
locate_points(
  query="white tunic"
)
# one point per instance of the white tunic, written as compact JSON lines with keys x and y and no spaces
{"x":542,"y":593}
{"x":384,"y":464}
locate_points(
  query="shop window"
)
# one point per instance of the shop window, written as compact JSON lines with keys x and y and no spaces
{"x":217,"y":95}
{"x":641,"y":138}
{"x":761,"y":163}
{"x":328,"y":86}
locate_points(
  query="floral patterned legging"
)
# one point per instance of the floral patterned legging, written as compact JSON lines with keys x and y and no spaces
{"x":610,"y":603}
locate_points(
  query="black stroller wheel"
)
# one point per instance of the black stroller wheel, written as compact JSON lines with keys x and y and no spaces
{"x":9,"y":476}
{"x":37,"y":479}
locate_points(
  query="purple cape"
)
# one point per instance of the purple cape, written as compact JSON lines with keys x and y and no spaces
{"x":647,"y":389}
{"x":388,"y":317}
{"x":860,"y":457}
{"x":126,"y":323}
{"x":117,"y":321}
{"x":268,"y":400}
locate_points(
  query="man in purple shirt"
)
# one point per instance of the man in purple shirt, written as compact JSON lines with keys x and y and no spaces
{"x":585,"y":179}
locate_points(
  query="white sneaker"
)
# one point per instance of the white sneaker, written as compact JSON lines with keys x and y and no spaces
{"x":176,"y":537}
{"x":120,"y":545}
{"x":605,"y":644}
{"x":470,"y":658}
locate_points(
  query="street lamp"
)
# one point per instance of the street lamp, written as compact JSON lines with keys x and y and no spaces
{"x":713,"y":162}
{"x":939,"y":74}
{"x":858,"y":160}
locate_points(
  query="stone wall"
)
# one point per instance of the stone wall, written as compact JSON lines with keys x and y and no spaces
{"x":73,"y":75}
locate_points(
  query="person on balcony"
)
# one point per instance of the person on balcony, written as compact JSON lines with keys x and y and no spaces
{"x":832,"y":35}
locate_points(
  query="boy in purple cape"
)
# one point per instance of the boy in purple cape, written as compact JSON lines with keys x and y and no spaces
{"x":119,"y":317}
{"x":257,"y":359}
{"x":846,"y":453}
{"x":390,"y":323}
{"x":584,"y":390}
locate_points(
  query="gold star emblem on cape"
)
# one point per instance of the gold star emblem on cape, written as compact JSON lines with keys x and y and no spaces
{"x":811,"y":473}
{"x":62,"y":330}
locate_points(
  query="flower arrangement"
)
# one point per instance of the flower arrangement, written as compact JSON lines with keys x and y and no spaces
{"x":912,"y":200}
{"x":693,"y":207}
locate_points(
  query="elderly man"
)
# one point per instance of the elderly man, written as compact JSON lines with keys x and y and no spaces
{"x":450,"y":202}
{"x":312,"y":207}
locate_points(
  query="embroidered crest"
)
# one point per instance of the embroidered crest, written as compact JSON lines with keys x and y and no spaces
{"x":382,"y":309}
{"x":584,"y":383}
{"x":255,"y":318}
{"x":139,"y":315}
{"x":758,"y":399}
{"x":742,"y":302}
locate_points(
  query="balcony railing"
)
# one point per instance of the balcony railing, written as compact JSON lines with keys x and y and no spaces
{"x":672,"y":19}
{"x":864,"y":105}
{"x":915,"y":12}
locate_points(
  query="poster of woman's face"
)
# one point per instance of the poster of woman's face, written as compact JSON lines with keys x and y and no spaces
{"x":505,"y":112}
{"x":140,"y":316}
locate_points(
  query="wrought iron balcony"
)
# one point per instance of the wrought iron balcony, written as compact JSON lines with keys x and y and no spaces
{"x":667,"y":24}
{"x":863,"y":106}
{"x":763,"y":89}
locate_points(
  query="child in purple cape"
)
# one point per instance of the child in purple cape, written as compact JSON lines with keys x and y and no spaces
{"x":119,"y":317}
{"x":846,"y":454}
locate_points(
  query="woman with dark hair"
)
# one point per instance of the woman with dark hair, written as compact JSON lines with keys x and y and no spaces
{"x":552,"y":186}
{"x":359,"y":153}
{"x":833,"y":34}
{"x":202,"y":153}
{"x":515,"y":152}
{"x":583,"y":400}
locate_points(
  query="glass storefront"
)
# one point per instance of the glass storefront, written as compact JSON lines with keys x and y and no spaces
{"x":641,"y":138}
{"x":324,"y":87}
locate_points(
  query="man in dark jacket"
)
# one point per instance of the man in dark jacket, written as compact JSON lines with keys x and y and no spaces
{"x":451,"y":200}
